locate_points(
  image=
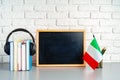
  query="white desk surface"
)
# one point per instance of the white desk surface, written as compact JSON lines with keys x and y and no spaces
{"x":110,"y":71}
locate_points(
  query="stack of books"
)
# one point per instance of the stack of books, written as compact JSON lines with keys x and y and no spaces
{"x":20,"y":59}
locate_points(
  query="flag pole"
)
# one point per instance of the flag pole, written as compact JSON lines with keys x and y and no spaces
{"x":93,"y":36}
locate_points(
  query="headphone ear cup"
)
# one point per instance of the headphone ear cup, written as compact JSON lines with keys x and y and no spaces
{"x":7,"y":48}
{"x":32,"y":49}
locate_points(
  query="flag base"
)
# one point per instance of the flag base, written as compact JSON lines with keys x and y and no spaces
{"x":100,"y":65}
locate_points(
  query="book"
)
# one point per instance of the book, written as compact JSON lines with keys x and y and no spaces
{"x":15,"y":55}
{"x":28,"y":57}
{"x":19,"y":56}
{"x":11,"y":56}
{"x":23,"y":55}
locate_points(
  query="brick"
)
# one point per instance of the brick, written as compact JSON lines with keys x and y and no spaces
{"x":17,"y":2}
{"x":66,"y":22}
{"x":87,"y":8}
{"x":5,"y":59}
{"x":110,"y":37}
{"x":66,"y":8}
{"x":33,"y":30}
{"x":116,"y":44}
{"x":45,"y":22}
{"x":35,"y":2}
{"x":113,"y":50}
{"x":12,"y":2}
{"x":109,"y":22}
{"x":9,"y":15}
{"x":104,"y":43}
{"x":35,"y":15}
{"x":45,"y":8}
{"x":111,"y":26}
{"x":102,"y":30}
{"x":87,"y":22}
{"x":22,"y":22}
{"x":106,"y":36}
{"x":100,"y":15}
{"x":57,"y":15}
{"x":41,"y":27}
{"x":116,"y":15}
{"x":5,"y":8}
{"x":58,"y":27}
{"x":106,"y":58}
{"x":110,"y":8}
{"x":79,"y":15}
{"x":87,"y":29}
{"x":116,"y":2}
{"x":116,"y":30}
{"x":11,"y":28}
{"x":115,"y":58}
{"x":23,"y":8}
{"x":57,"y":2}
{"x":102,"y":2}
{"x":116,"y":37}
{"x":5,"y":22}
{"x":79,"y":1}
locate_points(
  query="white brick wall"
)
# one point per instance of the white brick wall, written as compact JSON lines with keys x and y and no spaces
{"x":57,"y":15}
{"x":116,"y":2}
{"x":87,"y":8}
{"x":66,"y":22}
{"x":35,"y":15}
{"x":99,"y":17}
{"x":102,"y":2}
{"x":116,"y":15}
{"x":79,"y":1}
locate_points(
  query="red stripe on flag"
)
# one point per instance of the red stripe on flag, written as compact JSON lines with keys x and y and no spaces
{"x":90,"y":60}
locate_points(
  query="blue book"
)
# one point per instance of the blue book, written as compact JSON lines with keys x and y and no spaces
{"x":28,"y":57}
{"x":11,"y":56}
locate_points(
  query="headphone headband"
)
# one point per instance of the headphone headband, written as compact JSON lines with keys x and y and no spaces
{"x":20,"y":29}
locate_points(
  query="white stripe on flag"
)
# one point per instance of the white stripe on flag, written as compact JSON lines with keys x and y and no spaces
{"x":94,"y":53}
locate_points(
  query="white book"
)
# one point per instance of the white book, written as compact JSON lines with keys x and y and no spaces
{"x":11,"y":56}
{"x":23,"y":55}
{"x":27,"y":54}
{"x":15,"y":55}
{"x":19,"y":56}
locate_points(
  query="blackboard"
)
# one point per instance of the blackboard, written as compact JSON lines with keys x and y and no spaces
{"x":60,"y":47}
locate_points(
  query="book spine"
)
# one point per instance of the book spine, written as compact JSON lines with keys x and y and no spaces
{"x":15,"y":55}
{"x":11,"y":56}
{"x":19,"y":56}
{"x":28,"y":57}
{"x":23,"y":55}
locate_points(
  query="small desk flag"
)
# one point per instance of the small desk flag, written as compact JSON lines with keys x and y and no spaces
{"x":93,"y":55}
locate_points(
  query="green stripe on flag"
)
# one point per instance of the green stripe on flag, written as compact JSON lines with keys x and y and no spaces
{"x":95,"y":45}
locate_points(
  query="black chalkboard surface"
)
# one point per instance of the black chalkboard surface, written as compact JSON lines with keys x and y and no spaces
{"x":60,"y":48}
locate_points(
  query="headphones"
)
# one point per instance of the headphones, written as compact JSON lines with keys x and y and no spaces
{"x":32,"y":44}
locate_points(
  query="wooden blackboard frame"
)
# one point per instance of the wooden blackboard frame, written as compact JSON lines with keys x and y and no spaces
{"x":37,"y":47}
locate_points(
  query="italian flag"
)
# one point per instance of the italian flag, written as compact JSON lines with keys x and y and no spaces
{"x":93,"y":55}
